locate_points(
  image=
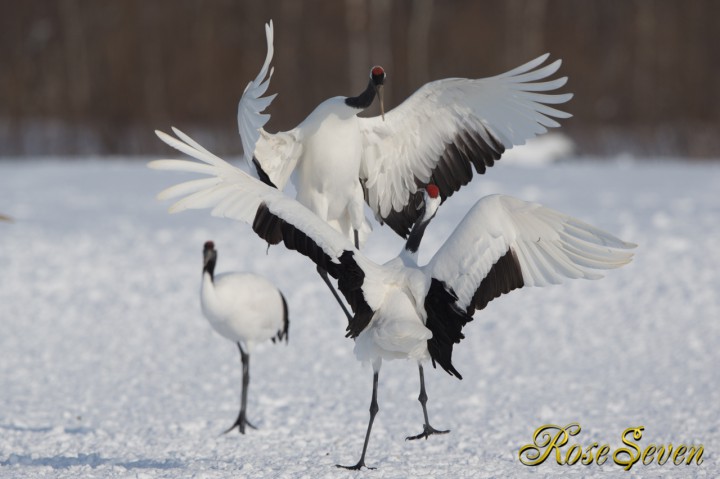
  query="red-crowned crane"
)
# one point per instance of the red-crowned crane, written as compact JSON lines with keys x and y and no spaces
{"x":437,"y":134}
{"x":246,"y":309}
{"x":402,"y":310}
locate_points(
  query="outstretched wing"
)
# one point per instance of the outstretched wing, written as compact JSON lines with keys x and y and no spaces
{"x":273,"y":155}
{"x":448,"y":126}
{"x":232,"y":193}
{"x":504,"y":243}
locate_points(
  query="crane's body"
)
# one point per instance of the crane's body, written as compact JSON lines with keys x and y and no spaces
{"x":397,"y":331}
{"x":327,"y":169}
{"x":244,"y":308}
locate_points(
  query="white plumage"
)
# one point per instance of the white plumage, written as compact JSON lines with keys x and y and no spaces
{"x":402,"y":310}
{"x":244,"y":308}
{"x":437,"y":135}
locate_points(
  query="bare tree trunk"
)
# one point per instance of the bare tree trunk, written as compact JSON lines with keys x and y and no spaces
{"x":77,"y":75}
{"x":524,"y":29}
{"x":153,"y":73}
{"x":644,"y":94}
{"x":356,"y":21}
{"x":380,"y":30}
{"x":421,"y":16}
{"x":290,"y":60}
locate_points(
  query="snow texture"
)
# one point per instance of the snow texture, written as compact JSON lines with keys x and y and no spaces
{"x":108,"y":369}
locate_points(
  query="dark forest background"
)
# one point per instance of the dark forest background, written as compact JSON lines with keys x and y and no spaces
{"x":98,"y":76}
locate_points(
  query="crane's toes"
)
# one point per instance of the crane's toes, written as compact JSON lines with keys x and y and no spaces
{"x":428,"y":430}
{"x":240,"y":423}
{"x":356,"y":467}
{"x":239,"y":426}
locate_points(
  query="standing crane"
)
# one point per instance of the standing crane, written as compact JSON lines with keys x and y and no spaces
{"x":246,"y":309}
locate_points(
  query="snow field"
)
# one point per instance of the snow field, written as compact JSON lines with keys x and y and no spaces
{"x":108,"y":369}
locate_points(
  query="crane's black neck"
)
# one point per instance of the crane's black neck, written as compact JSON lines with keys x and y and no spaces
{"x":364,"y":99}
{"x":416,"y":235}
{"x":210,"y":258}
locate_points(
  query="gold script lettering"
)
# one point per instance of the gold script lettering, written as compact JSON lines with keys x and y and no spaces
{"x":647,"y":456}
{"x":553,"y":438}
{"x":679,"y":455}
{"x":544,"y":442}
{"x":691,"y":453}
{"x":631,"y":459}
{"x":602,"y":454}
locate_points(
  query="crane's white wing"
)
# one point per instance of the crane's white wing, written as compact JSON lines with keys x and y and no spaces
{"x":252,"y":103}
{"x":273,"y":155}
{"x":446,"y":127}
{"x":232,"y":193}
{"x":504,"y":243}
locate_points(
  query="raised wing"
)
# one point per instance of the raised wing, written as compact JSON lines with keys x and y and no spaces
{"x":273,"y":155}
{"x":252,"y":103}
{"x":446,"y":127}
{"x":504,"y":243}
{"x":232,"y":193}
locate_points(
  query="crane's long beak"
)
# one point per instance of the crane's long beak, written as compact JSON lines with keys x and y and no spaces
{"x":379,"y":89}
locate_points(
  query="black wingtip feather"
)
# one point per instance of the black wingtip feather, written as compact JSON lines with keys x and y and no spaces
{"x":450,"y":173}
{"x":284,"y":333}
{"x":446,"y":320}
{"x":351,"y":283}
{"x":267,"y":225}
{"x":504,"y":276}
{"x":274,"y":229}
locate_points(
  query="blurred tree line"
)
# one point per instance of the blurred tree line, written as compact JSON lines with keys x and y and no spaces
{"x":98,"y":76}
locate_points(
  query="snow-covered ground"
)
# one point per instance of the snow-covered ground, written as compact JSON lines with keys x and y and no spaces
{"x":107,"y":368}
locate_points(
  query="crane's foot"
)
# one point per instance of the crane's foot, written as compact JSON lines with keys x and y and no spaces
{"x":356,"y":467}
{"x":428,"y":430}
{"x":240,"y":423}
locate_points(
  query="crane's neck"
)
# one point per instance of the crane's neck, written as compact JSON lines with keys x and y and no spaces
{"x":415,"y":237}
{"x":410,"y":252}
{"x":209,"y":264}
{"x":364,"y":99}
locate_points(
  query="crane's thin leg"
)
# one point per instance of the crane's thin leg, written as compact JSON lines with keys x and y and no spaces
{"x":324,"y":275}
{"x":241,"y":420}
{"x":427,"y":428}
{"x":373,"y":411}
